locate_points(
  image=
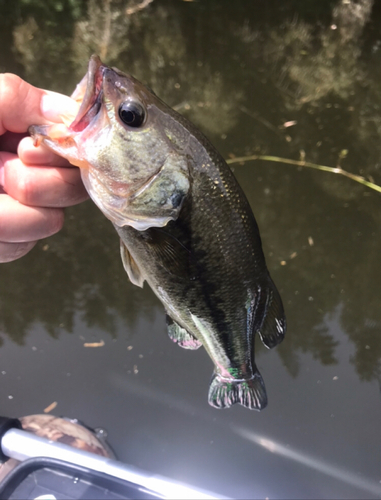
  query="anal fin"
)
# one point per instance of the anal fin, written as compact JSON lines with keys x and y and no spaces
{"x":130,"y":266}
{"x":273,"y":324}
{"x":250,"y":393}
{"x":180,"y":336}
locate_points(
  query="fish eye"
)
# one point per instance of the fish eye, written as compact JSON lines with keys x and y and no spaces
{"x":132,"y":113}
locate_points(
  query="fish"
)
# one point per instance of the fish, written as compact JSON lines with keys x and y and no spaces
{"x":185,"y":224}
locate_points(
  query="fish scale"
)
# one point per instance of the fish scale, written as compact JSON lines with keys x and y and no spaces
{"x":184,"y":223}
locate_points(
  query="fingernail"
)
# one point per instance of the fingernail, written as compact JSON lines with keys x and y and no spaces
{"x":53,"y":105}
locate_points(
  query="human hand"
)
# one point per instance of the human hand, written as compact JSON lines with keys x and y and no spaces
{"x":35,"y":184}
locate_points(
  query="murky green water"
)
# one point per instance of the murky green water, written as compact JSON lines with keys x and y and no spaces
{"x":258,"y":77}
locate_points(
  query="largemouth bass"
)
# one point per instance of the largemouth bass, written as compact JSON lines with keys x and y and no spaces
{"x":184,"y":223}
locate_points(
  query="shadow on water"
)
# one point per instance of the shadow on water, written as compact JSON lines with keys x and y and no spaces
{"x":71,"y":273}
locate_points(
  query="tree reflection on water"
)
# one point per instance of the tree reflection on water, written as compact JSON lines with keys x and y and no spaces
{"x":239,"y":74}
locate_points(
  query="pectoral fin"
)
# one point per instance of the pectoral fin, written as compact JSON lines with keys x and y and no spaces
{"x":181,"y":336}
{"x":170,"y":253}
{"x":130,"y":266}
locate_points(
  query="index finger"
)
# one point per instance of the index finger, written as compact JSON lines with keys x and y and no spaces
{"x":22,"y":105}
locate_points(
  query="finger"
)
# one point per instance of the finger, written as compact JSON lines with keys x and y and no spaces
{"x":21,"y":224}
{"x":23,"y":105}
{"x":40,"y":155}
{"x":42,"y":186}
{"x":13,"y":251}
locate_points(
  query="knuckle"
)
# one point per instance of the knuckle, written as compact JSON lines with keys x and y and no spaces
{"x":9,"y":85}
{"x":25,"y":190}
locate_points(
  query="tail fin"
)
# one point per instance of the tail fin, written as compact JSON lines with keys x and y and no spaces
{"x":249,"y":393}
{"x":273,"y":327}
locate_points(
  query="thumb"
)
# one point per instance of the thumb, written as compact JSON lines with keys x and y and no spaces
{"x":22,"y":105}
{"x":54,"y":106}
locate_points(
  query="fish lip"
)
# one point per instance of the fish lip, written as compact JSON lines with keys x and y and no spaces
{"x":35,"y":131}
{"x":90,"y":104}
{"x":92,"y":99}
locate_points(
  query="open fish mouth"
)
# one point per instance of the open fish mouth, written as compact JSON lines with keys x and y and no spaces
{"x":89,"y":94}
{"x":92,"y":97}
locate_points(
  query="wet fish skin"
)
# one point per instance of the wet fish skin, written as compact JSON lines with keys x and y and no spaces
{"x":214,"y":282}
{"x":185,"y":225}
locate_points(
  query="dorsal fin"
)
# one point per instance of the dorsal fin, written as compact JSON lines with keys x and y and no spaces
{"x":270,"y":321}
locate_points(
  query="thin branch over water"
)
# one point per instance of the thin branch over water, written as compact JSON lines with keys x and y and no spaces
{"x":136,"y":8}
{"x":302,"y":163}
